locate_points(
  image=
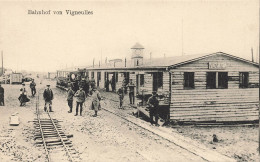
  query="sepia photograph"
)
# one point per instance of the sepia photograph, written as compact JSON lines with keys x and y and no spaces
{"x":129,"y":81}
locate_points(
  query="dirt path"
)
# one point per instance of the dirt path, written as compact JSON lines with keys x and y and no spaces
{"x":103,"y":138}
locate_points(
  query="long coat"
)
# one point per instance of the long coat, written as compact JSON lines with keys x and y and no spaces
{"x":95,"y":104}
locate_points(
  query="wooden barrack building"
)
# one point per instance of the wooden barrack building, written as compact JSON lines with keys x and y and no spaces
{"x":211,"y":87}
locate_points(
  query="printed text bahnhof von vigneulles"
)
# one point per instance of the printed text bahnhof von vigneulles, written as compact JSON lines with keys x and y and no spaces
{"x":59,"y":12}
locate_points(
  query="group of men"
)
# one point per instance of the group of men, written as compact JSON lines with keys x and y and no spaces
{"x":82,"y":94}
{"x":152,"y":103}
{"x":85,"y":83}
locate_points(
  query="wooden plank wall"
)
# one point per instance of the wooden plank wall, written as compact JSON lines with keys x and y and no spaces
{"x":201,"y":104}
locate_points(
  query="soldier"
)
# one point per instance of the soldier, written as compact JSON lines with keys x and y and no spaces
{"x":83,"y":84}
{"x":2,"y":94}
{"x":124,"y":86}
{"x":32,"y":86}
{"x":107,"y":85}
{"x":131,"y":87}
{"x":80,"y":99}
{"x":113,"y":83}
{"x":87,"y":86}
{"x":95,"y":105}
{"x":92,"y":83}
{"x":153,"y":105}
{"x":48,"y":97}
{"x":70,"y":95}
{"x":120,"y":93}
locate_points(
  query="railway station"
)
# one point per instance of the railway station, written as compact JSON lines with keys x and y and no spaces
{"x":112,"y":81}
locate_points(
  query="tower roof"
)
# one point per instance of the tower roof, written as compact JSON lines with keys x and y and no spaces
{"x":137,"y":46}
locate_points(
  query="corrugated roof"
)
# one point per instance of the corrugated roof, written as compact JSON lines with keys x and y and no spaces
{"x":164,"y":62}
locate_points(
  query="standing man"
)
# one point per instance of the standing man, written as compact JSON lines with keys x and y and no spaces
{"x":87,"y":86}
{"x":32,"y":86}
{"x":70,"y":95}
{"x":2,"y":94}
{"x":48,"y":97}
{"x":131,"y":87}
{"x":95,"y":105}
{"x":113,"y":83}
{"x":80,"y":99}
{"x":153,"y":105}
{"x":120,"y":93}
{"x":92,"y":83}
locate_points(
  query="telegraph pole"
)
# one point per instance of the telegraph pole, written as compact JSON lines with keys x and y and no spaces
{"x":258,"y":86}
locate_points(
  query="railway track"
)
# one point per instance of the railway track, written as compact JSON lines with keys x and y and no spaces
{"x":204,"y":153}
{"x":49,"y":134}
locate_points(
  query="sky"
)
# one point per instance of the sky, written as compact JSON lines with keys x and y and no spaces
{"x":47,"y":43}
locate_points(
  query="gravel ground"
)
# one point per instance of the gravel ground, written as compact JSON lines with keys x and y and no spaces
{"x":240,"y":143}
{"x":103,"y":138}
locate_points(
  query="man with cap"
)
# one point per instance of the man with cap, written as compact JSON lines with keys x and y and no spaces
{"x":2,"y":94}
{"x":95,"y":104}
{"x":70,"y":94}
{"x":32,"y":86}
{"x":153,"y":105}
{"x":80,"y":99}
{"x":120,"y":93}
{"x":131,"y":91}
{"x":48,"y":97}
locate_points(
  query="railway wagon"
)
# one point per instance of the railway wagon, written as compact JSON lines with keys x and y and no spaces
{"x":16,"y":78}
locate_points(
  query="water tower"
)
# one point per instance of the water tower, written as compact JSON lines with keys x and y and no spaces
{"x":137,"y":54}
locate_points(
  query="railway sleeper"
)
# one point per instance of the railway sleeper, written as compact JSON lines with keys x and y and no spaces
{"x":58,"y":143}
{"x":51,"y":141}
{"x":49,"y":125}
{"x":53,"y":133}
{"x":49,"y":136}
{"x":47,"y":129}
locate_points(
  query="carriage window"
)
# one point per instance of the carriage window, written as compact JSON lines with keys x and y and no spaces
{"x":188,"y":80}
{"x":243,"y":79}
{"x":211,"y":80}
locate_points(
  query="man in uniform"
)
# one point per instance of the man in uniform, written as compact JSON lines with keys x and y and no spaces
{"x":2,"y":94}
{"x":120,"y":93}
{"x":80,"y":99}
{"x":48,"y":97}
{"x":32,"y":86}
{"x":131,"y":87}
{"x":153,"y":105}
{"x":87,"y":86}
{"x":70,"y":95}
